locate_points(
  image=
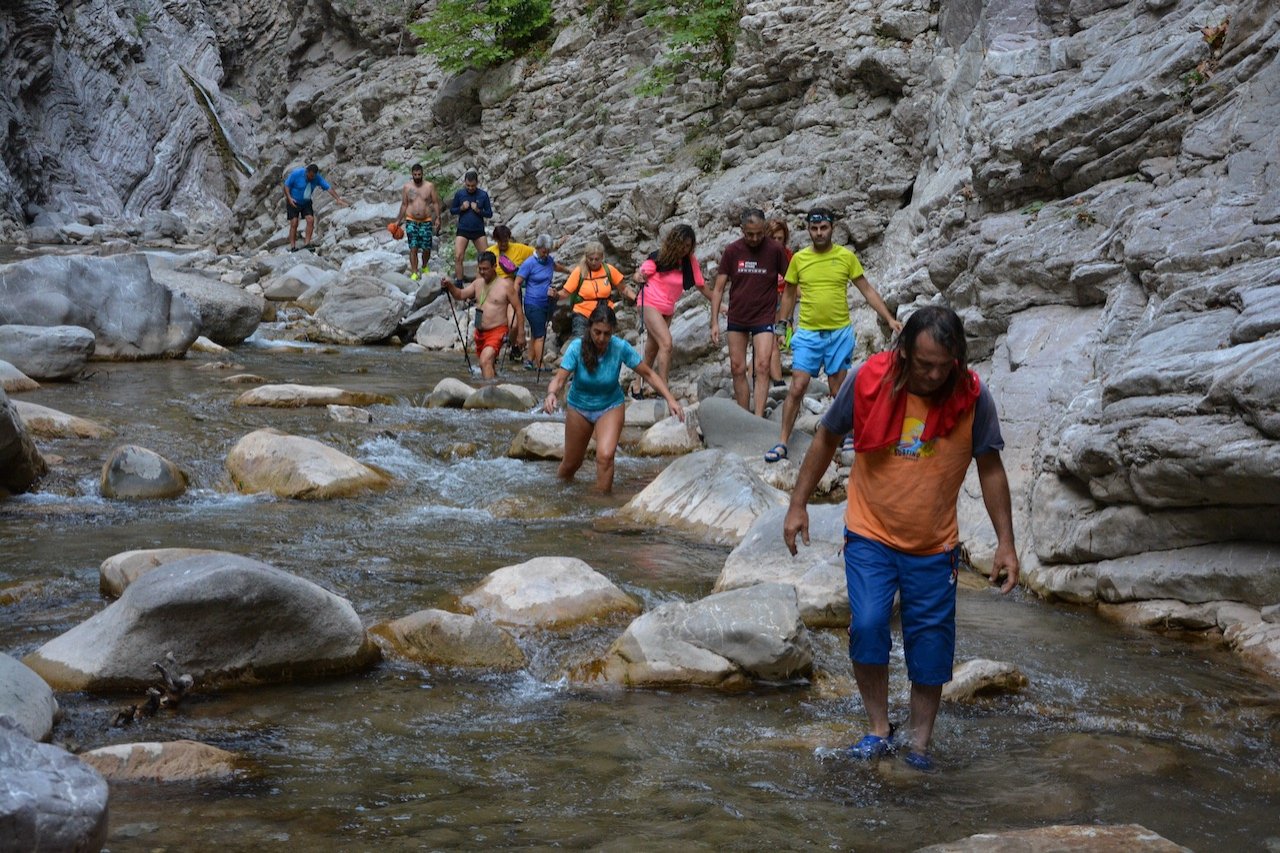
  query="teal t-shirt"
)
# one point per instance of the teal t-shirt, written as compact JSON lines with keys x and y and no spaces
{"x":598,"y":389}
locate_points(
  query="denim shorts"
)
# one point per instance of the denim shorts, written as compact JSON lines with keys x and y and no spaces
{"x":538,"y":313}
{"x":830,"y":350}
{"x":874,"y":572}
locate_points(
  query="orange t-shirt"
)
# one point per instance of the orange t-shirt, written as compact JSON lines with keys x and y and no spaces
{"x":596,"y":286}
{"x":905,"y":496}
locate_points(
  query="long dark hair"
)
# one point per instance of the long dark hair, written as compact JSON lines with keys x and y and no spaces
{"x":673,"y":251}
{"x":602,"y":314}
{"x":946,"y":328}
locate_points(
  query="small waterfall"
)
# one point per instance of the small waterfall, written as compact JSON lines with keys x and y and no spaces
{"x":221,"y":139}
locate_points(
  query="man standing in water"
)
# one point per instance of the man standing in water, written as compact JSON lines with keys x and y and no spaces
{"x":420,"y":215}
{"x":472,"y":207}
{"x":493,"y":296}
{"x":918,"y":415}
{"x":752,"y":267}
{"x":820,"y":276}
{"x":298,"y":187}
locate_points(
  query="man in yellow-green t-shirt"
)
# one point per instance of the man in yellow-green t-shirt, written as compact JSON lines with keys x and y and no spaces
{"x":823,"y":341}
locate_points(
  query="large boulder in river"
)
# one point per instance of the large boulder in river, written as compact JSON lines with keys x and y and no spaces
{"x":49,"y":799}
{"x":541,"y":440}
{"x":119,"y":570}
{"x":360,"y":310}
{"x":228,"y":314}
{"x":727,"y":426}
{"x":49,"y":353}
{"x":26,"y":699}
{"x":816,"y":571}
{"x":449,"y":393}
{"x":136,"y":472}
{"x":711,"y":494}
{"x":548,"y":592}
{"x":130,"y":314}
{"x":449,"y":639}
{"x":227,"y":620}
{"x":167,"y":761}
{"x":288,"y":396}
{"x":515,"y":398}
{"x":21,"y":464}
{"x":726,"y":640}
{"x":290,"y":466}
{"x":298,"y":280}
{"x":1092,"y":838}
{"x":51,"y":423}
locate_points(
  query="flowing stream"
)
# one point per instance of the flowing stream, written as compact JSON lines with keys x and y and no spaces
{"x":1117,"y":725}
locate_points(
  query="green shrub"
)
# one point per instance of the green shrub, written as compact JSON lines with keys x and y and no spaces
{"x":700,"y":35}
{"x":462,"y":35}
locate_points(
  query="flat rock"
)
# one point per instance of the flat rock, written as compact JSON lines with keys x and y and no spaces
{"x":979,"y":677}
{"x":48,"y":353}
{"x":450,"y":639}
{"x":119,"y":570}
{"x":711,"y":494}
{"x":26,"y":699}
{"x":44,"y":422}
{"x":727,"y":426}
{"x":14,"y":380}
{"x":726,"y":640}
{"x":816,"y":571}
{"x":49,"y":799}
{"x":348,"y":414}
{"x":671,"y":436}
{"x":548,"y":592}
{"x":133,"y":472}
{"x":167,"y":761}
{"x":244,"y":379}
{"x":1131,"y":838}
{"x":291,"y":466}
{"x":288,"y":396}
{"x":226,"y":619}
{"x":540,"y":440}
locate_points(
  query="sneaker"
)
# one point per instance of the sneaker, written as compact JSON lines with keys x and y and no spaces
{"x":528,"y":365}
{"x":414,"y":276}
{"x":872,"y":747}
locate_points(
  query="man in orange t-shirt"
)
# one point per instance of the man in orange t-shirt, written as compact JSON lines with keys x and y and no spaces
{"x":918,"y":415}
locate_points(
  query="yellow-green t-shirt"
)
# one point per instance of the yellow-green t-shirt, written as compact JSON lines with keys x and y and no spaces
{"x":823,"y":279}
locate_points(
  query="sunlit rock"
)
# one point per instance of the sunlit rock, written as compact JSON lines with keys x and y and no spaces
{"x":204,"y":345}
{"x":541,"y":440}
{"x":449,"y":393}
{"x":227,"y":620}
{"x":816,"y":571}
{"x":48,"y":353}
{"x":136,"y":472}
{"x":979,"y":677}
{"x":26,"y":699}
{"x":228,"y":314}
{"x":166,"y":761}
{"x":711,"y":494}
{"x":727,"y":640}
{"x":349,"y":414}
{"x":645,"y":413}
{"x":290,"y":466}
{"x":1162,"y":614}
{"x":21,"y":464}
{"x":548,"y":592}
{"x":119,"y":570}
{"x":289,"y":396}
{"x":1093,"y":838}
{"x":516,"y":398}
{"x":671,"y":436}
{"x":450,"y":639}
{"x":44,"y":422}
{"x":49,"y":799}
{"x":13,"y":380}
{"x":358,"y":310}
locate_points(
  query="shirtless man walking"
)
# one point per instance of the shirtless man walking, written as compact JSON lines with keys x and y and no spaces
{"x":420,"y":216}
{"x":493,"y":294}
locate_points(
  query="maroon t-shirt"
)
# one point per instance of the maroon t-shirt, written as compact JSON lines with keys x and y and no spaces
{"x":753,"y":281}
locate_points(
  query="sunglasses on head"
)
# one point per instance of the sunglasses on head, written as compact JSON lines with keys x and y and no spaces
{"x":817,"y":217}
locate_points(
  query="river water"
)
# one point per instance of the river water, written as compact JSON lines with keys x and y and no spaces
{"x":1117,"y":726}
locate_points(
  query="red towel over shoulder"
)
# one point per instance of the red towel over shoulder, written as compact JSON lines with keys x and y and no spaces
{"x":878,"y":412}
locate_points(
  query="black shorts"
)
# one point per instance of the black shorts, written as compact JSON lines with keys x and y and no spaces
{"x":766,"y":329}
{"x":470,"y":235}
{"x":303,"y":209}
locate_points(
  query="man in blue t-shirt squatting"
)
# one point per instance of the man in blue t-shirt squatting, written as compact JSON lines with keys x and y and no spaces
{"x":298,"y":187}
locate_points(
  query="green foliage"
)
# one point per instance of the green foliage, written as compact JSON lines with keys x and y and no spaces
{"x":141,"y":20}
{"x":1032,"y":209}
{"x":557,"y":161}
{"x":462,"y":34}
{"x":707,"y":158}
{"x":700,"y":37}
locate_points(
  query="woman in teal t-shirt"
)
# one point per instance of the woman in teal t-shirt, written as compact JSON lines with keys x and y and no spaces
{"x":594,"y":403}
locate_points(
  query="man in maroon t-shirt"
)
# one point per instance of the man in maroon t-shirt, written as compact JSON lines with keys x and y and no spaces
{"x":751,"y":266}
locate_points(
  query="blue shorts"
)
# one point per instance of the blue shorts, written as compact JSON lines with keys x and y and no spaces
{"x":825,"y":349}
{"x":592,"y":415}
{"x":538,"y":313}
{"x":874,"y":572}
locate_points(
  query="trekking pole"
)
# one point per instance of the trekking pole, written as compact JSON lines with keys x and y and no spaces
{"x":466,"y":355}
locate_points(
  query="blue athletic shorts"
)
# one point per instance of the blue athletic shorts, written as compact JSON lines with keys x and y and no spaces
{"x":874,"y":572}
{"x":538,"y":313}
{"x":830,"y":350}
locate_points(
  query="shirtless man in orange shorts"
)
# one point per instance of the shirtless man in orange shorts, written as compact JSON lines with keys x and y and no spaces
{"x":493,"y":294}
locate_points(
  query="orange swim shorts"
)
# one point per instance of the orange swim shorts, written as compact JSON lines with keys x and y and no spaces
{"x":490,"y":338}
